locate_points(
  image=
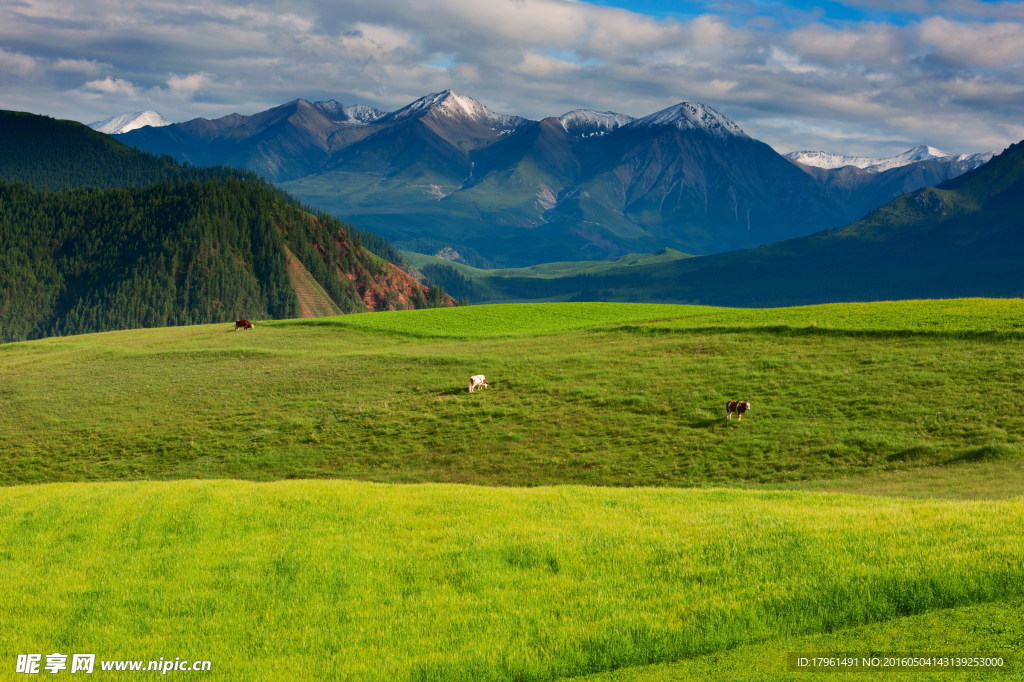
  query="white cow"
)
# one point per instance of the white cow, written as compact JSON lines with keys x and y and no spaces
{"x":477,"y":381}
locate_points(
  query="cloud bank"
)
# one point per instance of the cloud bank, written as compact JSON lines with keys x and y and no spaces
{"x":948,"y":73}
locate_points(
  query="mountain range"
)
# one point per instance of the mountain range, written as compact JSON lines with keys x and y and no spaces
{"x":820,"y":159}
{"x":447,"y":174}
{"x":963,"y":238}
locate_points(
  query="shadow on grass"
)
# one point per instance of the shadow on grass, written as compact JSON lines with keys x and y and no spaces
{"x":1000,"y":452}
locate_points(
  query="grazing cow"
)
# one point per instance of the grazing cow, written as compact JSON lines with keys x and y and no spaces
{"x":737,"y":407}
{"x":477,"y":381}
{"x":243,"y":324}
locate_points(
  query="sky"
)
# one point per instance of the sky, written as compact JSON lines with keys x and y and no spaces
{"x":871,"y":77}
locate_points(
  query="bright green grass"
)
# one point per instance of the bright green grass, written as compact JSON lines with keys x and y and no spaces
{"x":986,"y":630}
{"x":505,"y":320}
{"x":358,"y":581}
{"x":611,"y":403}
{"x":348,"y":580}
{"x":969,"y":316}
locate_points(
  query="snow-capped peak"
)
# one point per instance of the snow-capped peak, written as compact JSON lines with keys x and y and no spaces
{"x":588,"y":123}
{"x":449,"y":103}
{"x":363,"y":113}
{"x":922,"y":152}
{"x":122,"y":123}
{"x":353,"y":114}
{"x":691,"y":116}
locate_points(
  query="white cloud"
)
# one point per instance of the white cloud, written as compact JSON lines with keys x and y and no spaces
{"x":542,"y":65}
{"x":113,"y":86}
{"x":190,"y":84}
{"x":535,"y":58}
{"x":998,"y":44}
{"x":375,"y":41}
{"x":89,"y":67}
{"x":16,"y":63}
{"x":866,"y":44}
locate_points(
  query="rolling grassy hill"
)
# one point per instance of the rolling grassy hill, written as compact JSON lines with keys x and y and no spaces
{"x":835,"y":391}
{"x":587,"y":559}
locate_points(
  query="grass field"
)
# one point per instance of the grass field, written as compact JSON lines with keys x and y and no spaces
{"x":385,"y":582}
{"x":608,"y":569}
{"x":596,"y":394}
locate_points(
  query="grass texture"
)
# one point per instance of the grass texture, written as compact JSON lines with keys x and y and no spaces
{"x":361,"y":581}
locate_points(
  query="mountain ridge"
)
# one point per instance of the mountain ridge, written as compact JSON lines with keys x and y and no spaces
{"x":829,"y":160}
{"x":449,"y":172}
{"x":962,"y":238}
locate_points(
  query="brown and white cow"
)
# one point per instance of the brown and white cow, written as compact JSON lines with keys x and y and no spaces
{"x":477,"y":381}
{"x":736,"y":407}
{"x":243,"y":324}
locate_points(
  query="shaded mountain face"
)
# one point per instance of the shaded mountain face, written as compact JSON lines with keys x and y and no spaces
{"x":963,"y":238}
{"x":447,"y":173}
{"x":172,"y":245}
{"x":288,"y":141}
{"x":861,"y":190}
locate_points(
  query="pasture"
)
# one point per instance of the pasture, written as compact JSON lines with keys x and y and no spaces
{"x":591,"y":513}
{"x":594,"y":394}
{"x":361,"y":581}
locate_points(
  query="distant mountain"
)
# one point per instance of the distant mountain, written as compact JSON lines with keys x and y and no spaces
{"x":285,"y":142}
{"x":583,"y":185}
{"x":872,"y":165}
{"x":861,"y":183}
{"x":446,"y":173}
{"x":171,"y":245}
{"x":122,"y":123}
{"x":963,"y":238}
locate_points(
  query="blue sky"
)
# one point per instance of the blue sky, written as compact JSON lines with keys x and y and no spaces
{"x":853,"y":77}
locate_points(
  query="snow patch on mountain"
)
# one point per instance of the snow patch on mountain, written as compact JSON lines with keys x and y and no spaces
{"x":450,"y":104}
{"x":820,"y":159}
{"x":122,"y":123}
{"x":363,"y":113}
{"x":691,"y":116}
{"x":589,"y":123}
{"x":354,"y":114}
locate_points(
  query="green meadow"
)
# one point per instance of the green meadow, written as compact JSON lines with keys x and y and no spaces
{"x":591,"y":515}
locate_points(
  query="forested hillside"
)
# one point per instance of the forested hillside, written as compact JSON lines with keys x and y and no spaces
{"x":50,"y":154}
{"x":141,"y":241}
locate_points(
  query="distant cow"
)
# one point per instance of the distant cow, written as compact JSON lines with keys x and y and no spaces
{"x":243,"y":324}
{"x":736,"y":406}
{"x":477,"y":381}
